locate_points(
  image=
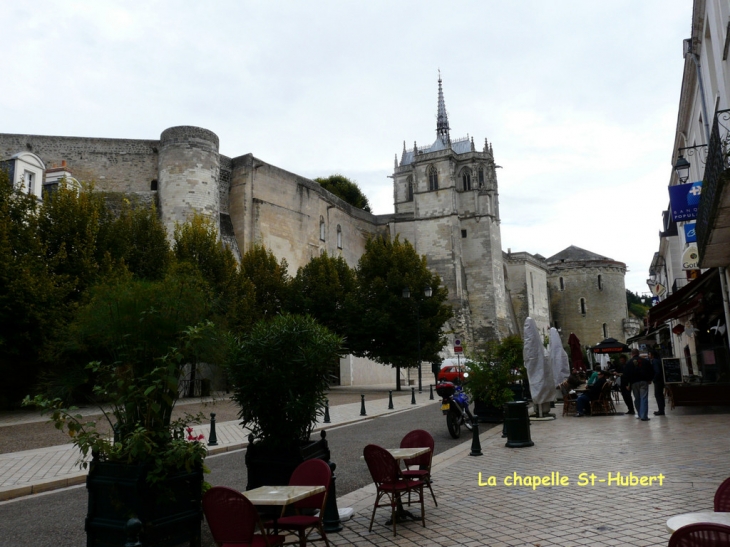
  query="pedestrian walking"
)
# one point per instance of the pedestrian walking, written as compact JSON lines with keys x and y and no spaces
{"x":624,"y":384}
{"x":656,"y":364}
{"x":639,"y":373}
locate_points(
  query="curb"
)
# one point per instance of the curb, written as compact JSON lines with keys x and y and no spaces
{"x":12,"y":492}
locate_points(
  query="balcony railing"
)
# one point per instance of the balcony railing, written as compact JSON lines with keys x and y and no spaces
{"x":712,"y":184}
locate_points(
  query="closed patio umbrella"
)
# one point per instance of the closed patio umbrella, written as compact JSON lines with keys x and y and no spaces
{"x":576,"y":352}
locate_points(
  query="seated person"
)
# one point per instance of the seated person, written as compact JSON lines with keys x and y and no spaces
{"x":583,"y":403}
{"x":593,"y":378}
{"x":573,"y":380}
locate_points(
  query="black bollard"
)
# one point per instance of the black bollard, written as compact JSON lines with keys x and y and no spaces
{"x":326,"y":411}
{"x":212,"y":438}
{"x":504,"y":421}
{"x":362,"y":405}
{"x":476,"y":445}
{"x":331,"y":517}
{"x":390,"y":400}
{"x":430,"y":390}
{"x":413,"y":395}
{"x":133,"y":528}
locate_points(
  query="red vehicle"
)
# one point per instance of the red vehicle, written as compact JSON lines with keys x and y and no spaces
{"x":453,"y":373}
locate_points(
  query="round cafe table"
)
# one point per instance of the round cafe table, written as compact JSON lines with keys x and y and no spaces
{"x":675,"y":523}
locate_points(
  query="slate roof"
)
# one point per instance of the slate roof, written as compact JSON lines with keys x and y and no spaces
{"x":575,"y":254}
{"x":460,"y":146}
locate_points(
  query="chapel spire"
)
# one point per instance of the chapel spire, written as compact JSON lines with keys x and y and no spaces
{"x":442,"y":120}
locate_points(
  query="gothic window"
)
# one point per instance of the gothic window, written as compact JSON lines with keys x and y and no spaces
{"x":409,"y":189}
{"x":433,"y":178}
{"x":466,"y":179}
{"x":582,"y":306}
{"x":480,"y":177}
{"x":339,"y":237}
{"x":321,"y":228}
{"x":605,"y":330}
{"x":562,"y":283}
{"x":600,"y":283}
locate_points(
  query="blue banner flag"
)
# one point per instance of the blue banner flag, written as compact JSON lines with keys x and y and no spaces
{"x":690,"y":236}
{"x":684,"y":200}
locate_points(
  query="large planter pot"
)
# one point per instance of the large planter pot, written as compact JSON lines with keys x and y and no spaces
{"x":272,"y":466}
{"x":488,"y":413}
{"x":170,"y":511}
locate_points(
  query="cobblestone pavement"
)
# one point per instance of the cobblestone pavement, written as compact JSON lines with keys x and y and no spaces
{"x":689,"y":449}
{"x":33,"y":471}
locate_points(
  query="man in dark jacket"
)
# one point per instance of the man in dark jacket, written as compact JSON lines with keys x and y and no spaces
{"x":639,"y":374}
{"x":583,"y":403}
{"x":656,"y":363}
{"x":624,"y":387}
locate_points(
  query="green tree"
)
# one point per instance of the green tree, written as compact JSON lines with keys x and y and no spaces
{"x":321,"y":289}
{"x":383,"y":325}
{"x":32,"y":295}
{"x":638,"y":305}
{"x":345,"y":189}
{"x":270,"y":279}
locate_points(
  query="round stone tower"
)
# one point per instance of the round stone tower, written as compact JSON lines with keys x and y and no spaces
{"x":587,"y":296}
{"x":189,"y":168}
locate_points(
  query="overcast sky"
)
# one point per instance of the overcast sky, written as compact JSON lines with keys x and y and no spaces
{"x":579,"y":98}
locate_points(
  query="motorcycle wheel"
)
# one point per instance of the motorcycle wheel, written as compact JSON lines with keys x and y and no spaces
{"x":452,"y":422}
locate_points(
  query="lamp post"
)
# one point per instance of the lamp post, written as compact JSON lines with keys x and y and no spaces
{"x":427,"y":292}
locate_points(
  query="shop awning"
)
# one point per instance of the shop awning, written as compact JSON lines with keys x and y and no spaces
{"x":684,"y":301}
{"x":650,"y":333}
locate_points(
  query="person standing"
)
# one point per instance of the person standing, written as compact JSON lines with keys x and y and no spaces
{"x":639,"y":373}
{"x":623,"y":384}
{"x":656,"y":364}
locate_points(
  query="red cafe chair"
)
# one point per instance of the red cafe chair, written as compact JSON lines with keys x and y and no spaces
{"x":233,"y":519}
{"x":421,"y":464}
{"x":701,"y":534}
{"x":722,"y":497}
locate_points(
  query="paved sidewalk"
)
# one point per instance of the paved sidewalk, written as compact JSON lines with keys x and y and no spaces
{"x":691,"y":451}
{"x":34,"y":471}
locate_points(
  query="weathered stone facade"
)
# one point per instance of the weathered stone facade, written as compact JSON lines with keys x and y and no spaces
{"x":587,"y":296}
{"x":446,"y":204}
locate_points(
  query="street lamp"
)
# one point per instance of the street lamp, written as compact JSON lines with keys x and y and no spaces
{"x":682,"y":169}
{"x":427,"y":292}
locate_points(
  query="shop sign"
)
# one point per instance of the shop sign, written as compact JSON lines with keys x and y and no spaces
{"x":690,"y":257}
{"x":693,"y":274}
{"x":690,"y":235}
{"x":658,"y":289}
{"x":684,"y":200}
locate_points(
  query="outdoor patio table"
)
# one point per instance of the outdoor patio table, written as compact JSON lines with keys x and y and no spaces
{"x":404,"y":454}
{"x":281,"y":496}
{"x":675,"y":523}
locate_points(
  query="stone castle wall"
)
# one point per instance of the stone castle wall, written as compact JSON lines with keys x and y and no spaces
{"x":528,"y":288}
{"x":117,"y":165}
{"x":604,"y":304}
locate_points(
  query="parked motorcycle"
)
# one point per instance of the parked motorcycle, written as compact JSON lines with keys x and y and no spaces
{"x":455,"y":406}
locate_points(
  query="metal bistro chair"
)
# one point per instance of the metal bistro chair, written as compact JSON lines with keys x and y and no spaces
{"x":604,"y":403}
{"x":308,"y":473}
{"x":233,"y":519}
{"x":388,"y":482}
{"x":722,"y":497}
{"x":568,"y":400}
{"x":416,"y":439}
{"x":701,"y":534}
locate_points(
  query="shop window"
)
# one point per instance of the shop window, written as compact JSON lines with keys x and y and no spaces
{"x":433,"y":179}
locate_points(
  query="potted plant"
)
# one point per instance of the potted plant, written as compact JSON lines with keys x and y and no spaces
{"x":143,"y":465}
{"x":280,"y":377}
{"x":494,"y":376}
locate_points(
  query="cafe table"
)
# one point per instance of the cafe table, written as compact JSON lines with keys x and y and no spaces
{"x":405,"y":454}
{"x":280,"y":496}
{"x":677,"y":522}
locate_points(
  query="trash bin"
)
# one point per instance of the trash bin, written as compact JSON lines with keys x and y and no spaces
{"x":517,"y":424}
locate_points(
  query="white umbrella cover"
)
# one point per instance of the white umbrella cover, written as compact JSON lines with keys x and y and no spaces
{"x":539,"y":374}
{"x":558,"y":358}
